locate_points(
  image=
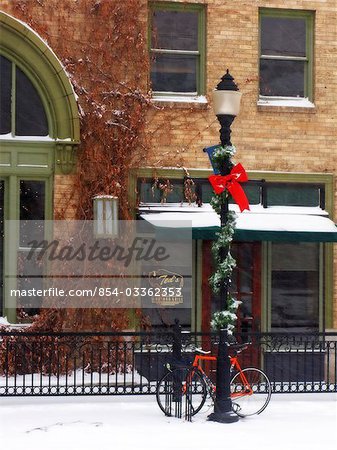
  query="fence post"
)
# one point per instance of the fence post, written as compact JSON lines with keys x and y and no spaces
{"x":177,"y":345}
{"x":177,"y":375}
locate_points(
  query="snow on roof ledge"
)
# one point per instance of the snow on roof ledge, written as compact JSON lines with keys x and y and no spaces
{"x":307,"y":224}
{"x":254,"y":209}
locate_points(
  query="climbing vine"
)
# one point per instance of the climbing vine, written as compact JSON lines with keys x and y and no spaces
{"x":102,"y":46}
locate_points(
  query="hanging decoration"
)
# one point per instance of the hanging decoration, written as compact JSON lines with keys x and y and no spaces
{"x":232,"y":182}
{"x":225,"y":185}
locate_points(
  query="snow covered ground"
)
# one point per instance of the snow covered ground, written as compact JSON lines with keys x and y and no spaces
{"x":290,"y":422}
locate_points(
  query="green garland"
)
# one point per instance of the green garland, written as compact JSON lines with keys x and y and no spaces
{"x":226,"y":319}
{"x":224,"y":267}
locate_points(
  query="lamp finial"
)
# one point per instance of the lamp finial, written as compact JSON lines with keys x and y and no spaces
{"x":227,"y":83}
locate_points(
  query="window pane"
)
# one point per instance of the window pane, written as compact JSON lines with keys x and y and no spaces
{"x":293,"y":195}
{"x":30,"y":276}
{"x":283,"y":36}
{"x":242,"y":281}
{"x":32,"y":213}
{"x":175,"y":30}
{"x":5,"y":95}
{"x":31,"y":119}
{"x":148,"y":194}
{"x":295,"y":287}
{"x":174,"y":73}
{"x":252,"y":192}
{"x":282,"y":78}
{"x":32,"y":195}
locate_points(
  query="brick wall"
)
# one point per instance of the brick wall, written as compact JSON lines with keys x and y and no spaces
{"x":267,"y":138}
{"x":65,"y":196}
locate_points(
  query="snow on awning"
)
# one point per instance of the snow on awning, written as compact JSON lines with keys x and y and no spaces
{"x":299,"y":224}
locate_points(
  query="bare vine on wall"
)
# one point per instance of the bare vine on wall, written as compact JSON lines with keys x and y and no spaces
{"x":164,"y":186}
{"x":102,"y":46}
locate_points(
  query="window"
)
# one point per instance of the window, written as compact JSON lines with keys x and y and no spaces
{"x":267,"y":193}
{"x":286,"y":53}
{"x":22,"y":112}
{"x":177,"y":38}
{"x":295,"y":286}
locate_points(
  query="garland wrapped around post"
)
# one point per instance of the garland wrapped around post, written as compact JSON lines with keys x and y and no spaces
{"x":225,"y":185}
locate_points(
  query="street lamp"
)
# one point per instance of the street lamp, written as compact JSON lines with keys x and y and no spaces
{"x":105,"y":216}
{"x":226,"y":104}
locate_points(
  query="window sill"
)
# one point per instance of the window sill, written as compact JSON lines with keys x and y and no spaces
{"x":279,"y":104}
{"x":176,"y":101}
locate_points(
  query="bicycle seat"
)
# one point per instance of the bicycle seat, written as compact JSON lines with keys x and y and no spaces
{"x":201,"y":351}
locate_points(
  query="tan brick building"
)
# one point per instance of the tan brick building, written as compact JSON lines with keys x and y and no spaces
{"x":284,"y":136}
{"x":283,"y":60}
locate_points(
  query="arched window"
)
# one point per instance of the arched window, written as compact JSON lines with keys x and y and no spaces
{"x":21,"y":109}
{"x":39,"y":136}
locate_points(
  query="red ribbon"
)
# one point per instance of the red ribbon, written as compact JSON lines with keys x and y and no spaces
{"x":231,"y":183}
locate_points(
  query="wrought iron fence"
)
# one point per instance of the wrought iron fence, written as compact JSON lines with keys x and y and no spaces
{"x":132,"y":363}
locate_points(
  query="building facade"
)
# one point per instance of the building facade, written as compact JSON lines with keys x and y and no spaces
{"x":283,"y":61}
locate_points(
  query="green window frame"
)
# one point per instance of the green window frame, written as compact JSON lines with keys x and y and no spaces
{"x":37,"y":157}
{"x":173,"y":55}
{"x":276,"y":60}
{"x":266,"y":193}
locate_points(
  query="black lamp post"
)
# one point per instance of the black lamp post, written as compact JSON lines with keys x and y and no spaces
{"x":226,"y":104}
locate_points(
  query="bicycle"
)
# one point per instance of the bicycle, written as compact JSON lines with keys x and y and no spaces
{"x":250,"y":387}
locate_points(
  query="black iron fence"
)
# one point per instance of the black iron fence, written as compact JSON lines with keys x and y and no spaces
{"x":132,"y":363}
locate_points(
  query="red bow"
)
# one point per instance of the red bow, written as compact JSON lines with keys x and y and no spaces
{"x":231,"y":183}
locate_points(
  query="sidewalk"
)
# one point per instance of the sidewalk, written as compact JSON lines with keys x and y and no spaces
{"x":290,"y":422}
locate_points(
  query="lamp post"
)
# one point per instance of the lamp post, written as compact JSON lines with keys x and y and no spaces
{"x":105,"y":216}
{"x":226,"y":104}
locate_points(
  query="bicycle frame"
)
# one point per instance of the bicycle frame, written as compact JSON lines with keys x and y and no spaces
{"x":234,"y":365}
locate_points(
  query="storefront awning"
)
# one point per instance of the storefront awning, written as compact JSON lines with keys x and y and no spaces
{"x":288,"y":224}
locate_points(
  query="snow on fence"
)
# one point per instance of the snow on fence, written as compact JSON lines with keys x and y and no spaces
{"x":132,"y":363}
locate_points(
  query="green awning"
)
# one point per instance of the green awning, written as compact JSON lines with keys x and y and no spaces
{"x":287,"y":224}
{"x":274,"y":236}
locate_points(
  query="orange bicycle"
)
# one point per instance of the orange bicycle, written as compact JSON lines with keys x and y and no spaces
{"x":250,"y":387}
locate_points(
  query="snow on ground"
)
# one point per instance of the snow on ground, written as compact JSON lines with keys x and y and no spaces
{"x":290,"y":422}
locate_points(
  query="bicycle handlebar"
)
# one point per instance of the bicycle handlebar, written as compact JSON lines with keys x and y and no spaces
{"x":238,"y":348}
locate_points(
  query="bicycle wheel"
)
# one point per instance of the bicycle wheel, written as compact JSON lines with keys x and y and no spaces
{"x":250,"y":392}
{"x":181,"y":388}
